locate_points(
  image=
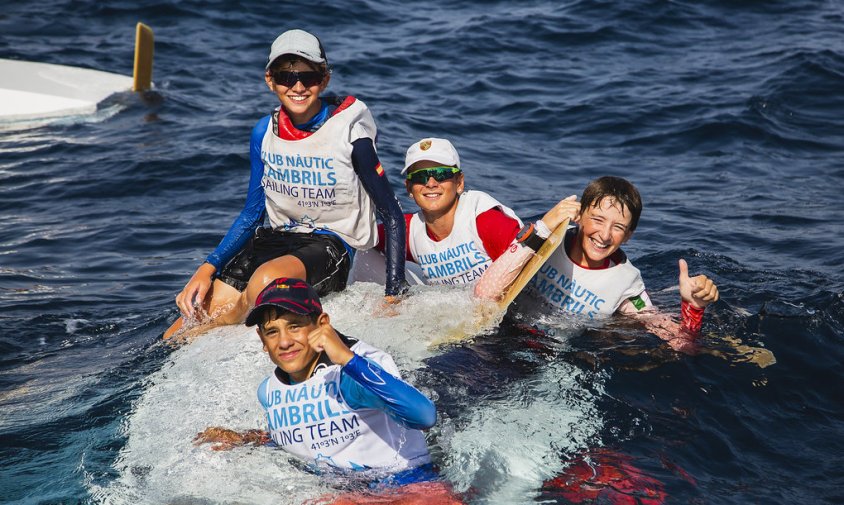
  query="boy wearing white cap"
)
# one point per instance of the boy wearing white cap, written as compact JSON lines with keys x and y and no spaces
{"x":456,"y":234}
{"x":316,"y":177}
{"x":468,"y":237}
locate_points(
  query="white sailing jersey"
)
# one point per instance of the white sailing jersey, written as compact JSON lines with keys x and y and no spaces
{"x":309,"y":180}
{"x":582,"y":291}
{"x":461,"y":257}
{"x":312,"y":420}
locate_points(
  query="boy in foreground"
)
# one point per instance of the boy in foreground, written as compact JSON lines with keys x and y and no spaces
{"x":334,"y":401}
{"x":590,"y":276}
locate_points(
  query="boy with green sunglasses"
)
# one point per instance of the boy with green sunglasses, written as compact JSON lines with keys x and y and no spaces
{"x":457,"y":233}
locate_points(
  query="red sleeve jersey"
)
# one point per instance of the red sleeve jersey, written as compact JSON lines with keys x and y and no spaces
{"x":496,"y":229}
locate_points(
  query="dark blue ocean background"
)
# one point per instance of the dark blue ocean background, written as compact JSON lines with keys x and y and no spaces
{"x":728,"y":116}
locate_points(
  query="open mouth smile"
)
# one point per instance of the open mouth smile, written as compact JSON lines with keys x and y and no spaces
{"x":298,"y":98}
{"x":600,"y":245}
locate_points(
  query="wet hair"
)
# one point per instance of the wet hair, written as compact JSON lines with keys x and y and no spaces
{"x":288,"y":60}
{"x":618,"y":189}
{"x":272,"y":313}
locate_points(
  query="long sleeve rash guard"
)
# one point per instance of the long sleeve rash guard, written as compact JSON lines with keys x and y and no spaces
{"x":367,"y":167}
{"x":364,"y":384}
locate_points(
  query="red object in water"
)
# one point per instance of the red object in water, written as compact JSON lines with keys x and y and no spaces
{"x":607,"y":476}
{"x":420,"y":493}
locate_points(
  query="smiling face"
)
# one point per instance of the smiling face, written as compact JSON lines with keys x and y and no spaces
{"x":604,"y":227}
{"x":301,"y":102}
{"x":435,"y":199}
{"x":285,"y":339}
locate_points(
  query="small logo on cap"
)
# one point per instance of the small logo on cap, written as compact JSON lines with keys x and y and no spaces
{"x":425,"y":145}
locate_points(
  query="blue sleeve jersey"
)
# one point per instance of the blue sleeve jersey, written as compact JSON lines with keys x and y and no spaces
{"x":364,"y":384}
{"x":374,"y":180}
{"x":360,"y":416}
{"x":375,"y":183}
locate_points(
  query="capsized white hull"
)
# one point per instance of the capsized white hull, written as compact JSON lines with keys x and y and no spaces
{"x":31,"y":90}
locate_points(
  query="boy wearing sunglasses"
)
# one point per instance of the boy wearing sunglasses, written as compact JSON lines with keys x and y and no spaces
{"x":316,"y":177}
{"x":457,"y":233}
{"x":333,"y":401}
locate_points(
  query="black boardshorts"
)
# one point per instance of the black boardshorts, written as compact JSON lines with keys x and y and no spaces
{"x":326,"y":259}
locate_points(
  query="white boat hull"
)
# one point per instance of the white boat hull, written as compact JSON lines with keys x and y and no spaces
{"x":30,"y":90}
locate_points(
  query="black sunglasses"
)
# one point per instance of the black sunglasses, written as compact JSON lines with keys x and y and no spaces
{"x":289,"y":79}
{"x":439,"y":174}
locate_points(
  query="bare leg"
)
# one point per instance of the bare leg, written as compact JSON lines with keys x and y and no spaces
{"x":233,"y":304}
{"x":285,"y":266}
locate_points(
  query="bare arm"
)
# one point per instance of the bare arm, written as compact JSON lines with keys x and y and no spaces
{"x":225,"y":439}
{"x":695,"y":294}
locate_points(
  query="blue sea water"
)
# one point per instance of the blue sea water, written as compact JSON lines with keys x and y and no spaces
{"x":728,"y":116}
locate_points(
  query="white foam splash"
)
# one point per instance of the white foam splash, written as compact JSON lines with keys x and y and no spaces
{"x":507,"y":448}
{"x":504,"y":450}
{"x":210,"y":382}
{"x":405,"y":330}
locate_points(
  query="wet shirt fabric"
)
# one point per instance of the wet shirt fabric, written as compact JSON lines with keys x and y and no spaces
{"x":308,"y":178}
{"x":358,"y":417}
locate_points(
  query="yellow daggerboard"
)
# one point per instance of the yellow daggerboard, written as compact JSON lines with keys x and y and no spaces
{"x":529,"y":270}
{"x":144,"y":45}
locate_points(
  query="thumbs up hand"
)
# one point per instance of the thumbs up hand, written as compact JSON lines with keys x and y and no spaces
{"x":699,"y":290}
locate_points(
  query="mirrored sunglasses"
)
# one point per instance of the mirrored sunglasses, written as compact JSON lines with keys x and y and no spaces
{"x":289,"y":79}
{"x":439,"y":174}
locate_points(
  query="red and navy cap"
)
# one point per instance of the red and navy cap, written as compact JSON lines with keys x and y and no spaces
{"x":285,"y":293}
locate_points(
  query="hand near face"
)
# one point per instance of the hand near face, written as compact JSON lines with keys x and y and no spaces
{"x":567,"y":208}
{"x":699,"y":290}
{"x":325,"y":339}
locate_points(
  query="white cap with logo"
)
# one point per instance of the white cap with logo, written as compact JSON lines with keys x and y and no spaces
{"x":431,"y":149}
{"x":298,"y":42}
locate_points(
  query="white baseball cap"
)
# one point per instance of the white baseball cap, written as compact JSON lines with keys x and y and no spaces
{"x":298,"y":42}
{"x":431,"y":149}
